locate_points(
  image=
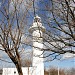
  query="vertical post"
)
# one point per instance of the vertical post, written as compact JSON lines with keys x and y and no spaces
{"x":58,"y":70}
{"x":49,"y":73}
{"x":28,"y":70}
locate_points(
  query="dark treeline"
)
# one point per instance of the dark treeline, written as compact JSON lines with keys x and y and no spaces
{"x":55,"y":71}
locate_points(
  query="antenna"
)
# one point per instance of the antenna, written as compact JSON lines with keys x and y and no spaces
{"x":34,"y":7}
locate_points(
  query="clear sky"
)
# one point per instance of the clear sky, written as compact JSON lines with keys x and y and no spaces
{"x":67,"y":63}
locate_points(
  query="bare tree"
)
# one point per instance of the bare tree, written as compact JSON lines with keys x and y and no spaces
{"x":12,"y":25}
{"x":70,"y":71}
{"x":54,"y":71}
{"x":59,"y":19}
{"x":26,"y":58}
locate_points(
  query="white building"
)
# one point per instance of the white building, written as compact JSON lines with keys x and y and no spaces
{"x":37,"y":66}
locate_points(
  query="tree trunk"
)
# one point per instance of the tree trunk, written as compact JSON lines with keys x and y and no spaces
{"x":19,"y":69}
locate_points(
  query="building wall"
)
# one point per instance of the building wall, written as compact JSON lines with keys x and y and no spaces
{"x":25,"y":70}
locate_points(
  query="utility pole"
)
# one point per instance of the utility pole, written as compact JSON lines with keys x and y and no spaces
{"x":58,"y":71}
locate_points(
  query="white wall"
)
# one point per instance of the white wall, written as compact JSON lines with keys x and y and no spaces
{"x":13,"y":71}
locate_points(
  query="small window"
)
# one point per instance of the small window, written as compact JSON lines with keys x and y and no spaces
{"x":37,"y":20}
{"x":14,"y":72}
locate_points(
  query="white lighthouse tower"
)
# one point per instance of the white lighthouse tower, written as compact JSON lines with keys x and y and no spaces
{"x":37,"y":33}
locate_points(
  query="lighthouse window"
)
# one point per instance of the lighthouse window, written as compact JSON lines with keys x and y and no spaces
{"x":14,"y":72}
{"x":37,"y":20}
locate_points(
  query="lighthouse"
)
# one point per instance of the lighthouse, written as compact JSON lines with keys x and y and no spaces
{"x":37,"y":30}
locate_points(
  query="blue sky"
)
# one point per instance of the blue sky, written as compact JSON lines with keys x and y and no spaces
{"x":68,"y":63}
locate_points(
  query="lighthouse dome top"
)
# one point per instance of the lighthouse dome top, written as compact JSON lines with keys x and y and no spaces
{"x":37,"y":25}
{"x":37,"y":19}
